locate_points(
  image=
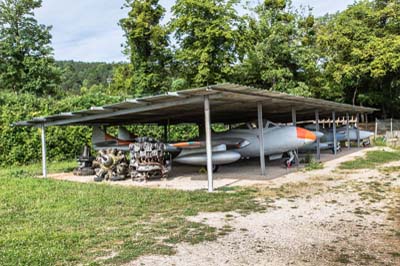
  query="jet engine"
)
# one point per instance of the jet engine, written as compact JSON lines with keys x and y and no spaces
{"x":148,"y":160}
{"x":111,"y":165}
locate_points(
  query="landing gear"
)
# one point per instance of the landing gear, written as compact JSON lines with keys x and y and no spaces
{"x":338,"y":148}
{"x":215,"y":168}
{"x":292,"y":159}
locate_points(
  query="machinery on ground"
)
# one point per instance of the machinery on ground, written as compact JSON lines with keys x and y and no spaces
{"x":146,"y":160}
{"x":85,"y":163}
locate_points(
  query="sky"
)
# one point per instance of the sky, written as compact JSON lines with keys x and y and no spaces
{"x":87,"y":30}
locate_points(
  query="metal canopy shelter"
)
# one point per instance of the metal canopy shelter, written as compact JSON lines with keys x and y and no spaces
{"x":222,"y":103}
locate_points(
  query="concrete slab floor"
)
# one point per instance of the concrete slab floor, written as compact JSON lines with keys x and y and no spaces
{"x":242,"y":173}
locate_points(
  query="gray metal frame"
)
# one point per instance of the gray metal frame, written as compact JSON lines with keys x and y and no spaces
{"x":207,"y":122}
{"x":334,"y":133}
{"x":261,"y":137}
{"x":318,"y":140}
{"x":44,"y":150}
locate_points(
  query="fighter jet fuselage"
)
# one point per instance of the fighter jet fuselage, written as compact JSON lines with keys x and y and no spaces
{"x":277,"y":140}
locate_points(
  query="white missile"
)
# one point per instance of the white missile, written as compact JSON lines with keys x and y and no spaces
{"x":218,"y":158}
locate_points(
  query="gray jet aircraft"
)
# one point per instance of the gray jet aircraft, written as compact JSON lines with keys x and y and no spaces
{"x":326,"y":142}
{"x":227,"y":147}
{"x":238,"y":143}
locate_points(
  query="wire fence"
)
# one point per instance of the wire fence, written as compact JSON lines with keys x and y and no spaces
{"x":384,"y":126}
{"x":388,"y":130}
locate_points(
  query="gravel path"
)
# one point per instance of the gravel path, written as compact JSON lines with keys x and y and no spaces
{"x":338,"y":218}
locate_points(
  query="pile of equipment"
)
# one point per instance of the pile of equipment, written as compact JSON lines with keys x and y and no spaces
{"x":85,"y":163}
{"x":147,"y":160}
{"x":111,"y":165}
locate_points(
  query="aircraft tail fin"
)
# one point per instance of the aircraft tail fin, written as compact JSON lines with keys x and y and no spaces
{"x":98,"y":135}
{"x":124,"y":134}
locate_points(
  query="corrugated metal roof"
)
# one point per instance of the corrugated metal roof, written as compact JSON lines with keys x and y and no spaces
{"x":230,"y":103}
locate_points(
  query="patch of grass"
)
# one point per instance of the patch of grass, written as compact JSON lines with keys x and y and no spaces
{"x":50,"y":222}
{"x":390,"y":169}
{"x":371,"y":160}
{"x":343,"y":258}
{"x":379,"y":141}
{"x":313,"y":165}
{"x":290,"y":191}
{"x":36,"y":169}
{"x":395,"y":254}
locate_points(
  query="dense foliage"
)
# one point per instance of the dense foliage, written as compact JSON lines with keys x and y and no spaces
{"x":83,"y":76}
{"x":26,"y":62}
{"x":22,"y":144}
{"x":351,"y":56}
{"x":207,"y":34}
{"x":146,"y":47}
{"x":361,"y":51}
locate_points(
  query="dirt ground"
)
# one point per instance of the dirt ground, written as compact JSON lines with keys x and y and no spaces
{"x":322,"y":217}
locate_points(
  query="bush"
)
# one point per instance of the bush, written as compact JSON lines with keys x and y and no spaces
{"x":21,"y":145}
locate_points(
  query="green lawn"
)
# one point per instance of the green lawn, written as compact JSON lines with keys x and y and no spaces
{"x":36,"y":169}
{"x":371,"y":160}
{"x":49,"y":222}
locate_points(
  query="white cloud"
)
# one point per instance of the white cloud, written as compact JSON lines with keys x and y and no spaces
{"x":88,"y":30}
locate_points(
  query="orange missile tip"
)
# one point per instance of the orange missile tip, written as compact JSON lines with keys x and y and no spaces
{"x":305,"y":134}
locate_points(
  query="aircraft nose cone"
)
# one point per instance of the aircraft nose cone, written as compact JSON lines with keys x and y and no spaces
{"x":305,"y":135}
{"x":318,"y":134}
{"x":365,"y":134}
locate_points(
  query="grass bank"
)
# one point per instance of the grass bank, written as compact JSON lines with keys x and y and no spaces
{"x":36,"y":169}
{"x":49,"y":222}
{"x":371,"y":160}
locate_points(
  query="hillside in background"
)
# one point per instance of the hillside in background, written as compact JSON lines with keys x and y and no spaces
{"x":76,"y":75}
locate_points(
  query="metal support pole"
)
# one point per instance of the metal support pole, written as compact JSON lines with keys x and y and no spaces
{"x":358,"y":129}
{"x":391,"y":127}
{"x":376,"y":128}
{"x":207,"y":121}
{"x":294,"y":121}
{"x":261,"y":137}
{"x":348,"y":130}
{"x":165,"y":133}
{"x":318,"y":140}
{"x":44,"y":167}
{"x":334,"y":133}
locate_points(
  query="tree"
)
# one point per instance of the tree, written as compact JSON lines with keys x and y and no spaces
{"x":207,"y":35}
{"x":26,"y":62}
{"x":280,"y":53}
{"x":362,"y":54}
{"x":147,"y":42}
